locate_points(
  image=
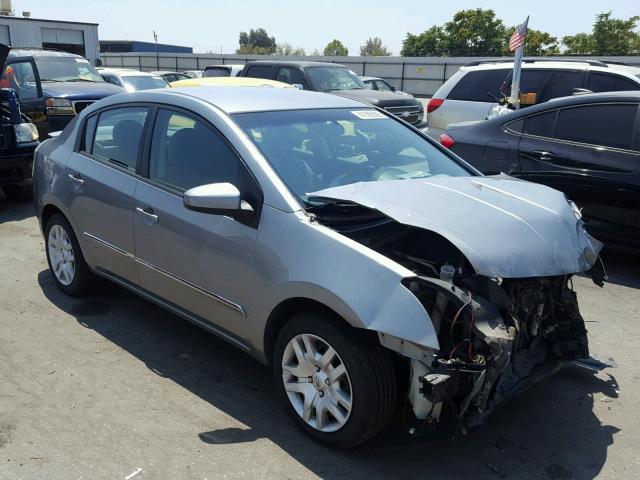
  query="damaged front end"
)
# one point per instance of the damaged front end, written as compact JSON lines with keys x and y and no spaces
{"x":498,"y":330}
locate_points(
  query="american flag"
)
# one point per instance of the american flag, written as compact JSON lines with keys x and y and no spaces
{"x":518,"y":36}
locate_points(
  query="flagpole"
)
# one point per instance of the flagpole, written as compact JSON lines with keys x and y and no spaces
{"x":517,"y":69}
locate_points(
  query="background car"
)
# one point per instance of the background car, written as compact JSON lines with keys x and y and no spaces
{"x":473,"y":91}
{"x":169,"y":76}
{"x":377,"y":83}
{"x":132,"y":80}
{"x":208,"y":201}
{"x":192,"y":73}
{"x":52,"y":87}
{"x":229,"y":82}
{"x":222,"y":70}
{"x":587,"y":146}
{"x":338,"y":80}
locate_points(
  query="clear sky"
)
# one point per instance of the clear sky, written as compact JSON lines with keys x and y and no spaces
{"x":214,"y":24}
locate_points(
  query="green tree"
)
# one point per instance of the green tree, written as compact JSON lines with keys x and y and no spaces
{"x":374,"y":47}
{"x":256,"y":42}
{"x":614,"y":36}
{"x":537,"y":43}
{"x":287,"y":49}
{"x":335,"y":48}
{"x":316,"y":53}
{"x":430,"y":43}
{"x":578,"y":44}
{"x":475,"y":32}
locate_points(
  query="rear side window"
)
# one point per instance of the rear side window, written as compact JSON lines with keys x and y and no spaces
{"x":117,"y":136}
{"x":217,"y":72}
{"x":606,"y":125}
{"x":259,"y":71}
{"x":605,"y":82}
{"x":481,"y":86}
{"x":540,"y":125}
{"x":548,"y":84}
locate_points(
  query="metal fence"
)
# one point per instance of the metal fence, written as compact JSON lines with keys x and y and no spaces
{"x":420,"y":76}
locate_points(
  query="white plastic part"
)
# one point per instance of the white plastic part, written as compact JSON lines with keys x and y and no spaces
{"x":421,"y":406}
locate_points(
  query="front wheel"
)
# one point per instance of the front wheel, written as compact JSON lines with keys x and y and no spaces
{"x":337,"y":383}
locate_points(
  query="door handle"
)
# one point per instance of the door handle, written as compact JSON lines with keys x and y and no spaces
{"x":76,"y":179}
{"x":544,"y":156}
{"x":148,"y":214}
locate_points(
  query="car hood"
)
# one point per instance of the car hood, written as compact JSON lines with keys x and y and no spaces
{"x":505,"y":227}
{"x":80,"y":90}
{"x":378,"y":98}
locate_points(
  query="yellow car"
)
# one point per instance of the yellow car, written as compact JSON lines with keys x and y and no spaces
{"x":230,"y":82}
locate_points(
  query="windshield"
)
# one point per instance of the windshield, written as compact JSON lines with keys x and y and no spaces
{"x":66,"y":69}
{"x":316,"y":149}
{"x":143,"y":82}
{"x":326,"y":79}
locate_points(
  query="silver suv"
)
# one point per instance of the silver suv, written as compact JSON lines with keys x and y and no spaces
{"x":473,"y":91}
{"x":325,"y":238}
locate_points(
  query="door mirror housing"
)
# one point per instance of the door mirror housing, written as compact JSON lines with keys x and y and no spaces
{"x":218,"y":198}
{"x":393,"y":89}
{"x":299,"y":86}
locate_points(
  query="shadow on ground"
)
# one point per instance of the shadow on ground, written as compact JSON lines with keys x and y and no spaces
{"x":549,"y":432}
{"x":14,"y":211}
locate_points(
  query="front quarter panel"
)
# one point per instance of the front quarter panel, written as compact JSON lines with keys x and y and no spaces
{"x":296,"y":257}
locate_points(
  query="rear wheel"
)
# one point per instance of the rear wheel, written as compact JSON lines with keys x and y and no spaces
{"x":66,"y":262}
{"x":337,"y":383}
{"x":18,"y":193}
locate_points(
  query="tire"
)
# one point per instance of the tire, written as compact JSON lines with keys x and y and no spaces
{"x":73,"y":275}
{"x":18,"y":193}
{"x":369,"y":382}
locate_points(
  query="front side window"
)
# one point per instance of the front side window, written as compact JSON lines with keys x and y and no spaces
{"x":382,"y":85}
{"x":117,"y":136}
{"x":291,"y":75}
{"x":327,"y":79}
{"x":21,"y":77}
{"x":316,"y":149}
{"x":604,"y":125}
{"x":186,"y":153}
{"x":66,"y":69}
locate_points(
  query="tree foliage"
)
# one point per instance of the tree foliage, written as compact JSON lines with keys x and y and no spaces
{"x":475,"y":33}
{"x":256,"y":42}
{"x":430,"y":43}
{"x":374,"y":47}
{"x":287,"y":49}
{"x":335,"y":48}
{"x":578,"y":44}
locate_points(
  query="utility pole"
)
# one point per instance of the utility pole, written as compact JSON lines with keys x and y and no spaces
{"x":155,"y":38}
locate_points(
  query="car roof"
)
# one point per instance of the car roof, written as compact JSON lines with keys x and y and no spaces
{"x":252,"y":99}
{"x":296,"y":63}
{"x":35,"y":52}
{"x":226,"y":65}
{"x":366,"y":79}
{"x":577,"y":64}
{"x":127,"y":72}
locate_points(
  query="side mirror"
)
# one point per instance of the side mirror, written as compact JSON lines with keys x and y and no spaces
{"x":393,"y":89}
{"x":299,"y":86}
{"x":219,"y":198}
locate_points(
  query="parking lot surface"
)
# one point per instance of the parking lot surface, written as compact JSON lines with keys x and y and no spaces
{"x":114,"y":387}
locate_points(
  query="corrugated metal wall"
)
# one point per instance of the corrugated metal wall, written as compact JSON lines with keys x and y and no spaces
{"x":417,"y":75}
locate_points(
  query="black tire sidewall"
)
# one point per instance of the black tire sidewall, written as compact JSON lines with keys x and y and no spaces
{"x":82,"y":276}
{"x":353,"y":350}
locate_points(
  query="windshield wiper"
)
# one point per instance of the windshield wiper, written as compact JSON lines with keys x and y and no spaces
{"x":50,"y":80}
{"x":82,"y":80}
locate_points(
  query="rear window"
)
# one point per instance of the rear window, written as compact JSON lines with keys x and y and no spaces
{"x":260,"y":71}
{"x":217,"y":72}
{"x":606,"y":125}
{"x":605,"y":82}
{"x":481,"y":86}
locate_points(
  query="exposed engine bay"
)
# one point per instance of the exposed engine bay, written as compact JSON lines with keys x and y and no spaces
{"x":497,"y":336}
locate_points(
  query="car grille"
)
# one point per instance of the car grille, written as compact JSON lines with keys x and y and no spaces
{"x":81,"y":105}
{"x":408,"y":113}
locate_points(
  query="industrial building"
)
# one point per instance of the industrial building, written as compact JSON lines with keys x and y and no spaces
{"x":24,"y":32}
{"x":126,"y":46}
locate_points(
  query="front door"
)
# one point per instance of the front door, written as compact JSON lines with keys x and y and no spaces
{"x":197,"y":261}
{"x":101,"y":182}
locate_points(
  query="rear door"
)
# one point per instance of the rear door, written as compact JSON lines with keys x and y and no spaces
{"x":589,"y":152}
{"x":101,"y":181}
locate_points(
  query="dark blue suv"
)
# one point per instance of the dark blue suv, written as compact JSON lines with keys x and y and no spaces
{"x":52,"y":87}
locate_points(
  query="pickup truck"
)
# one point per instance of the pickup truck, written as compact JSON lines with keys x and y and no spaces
{"x":338,"y":80}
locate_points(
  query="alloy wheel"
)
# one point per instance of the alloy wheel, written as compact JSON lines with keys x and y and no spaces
{"x":61,"y":255}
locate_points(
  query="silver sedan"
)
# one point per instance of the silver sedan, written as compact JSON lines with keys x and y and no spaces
{"x":327,"y":239}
